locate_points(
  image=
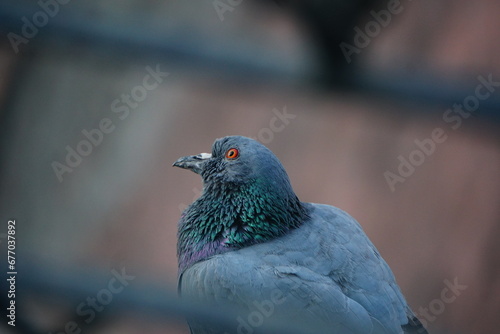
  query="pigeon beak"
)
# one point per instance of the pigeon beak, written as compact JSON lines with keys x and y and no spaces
{"x":193,"y":162}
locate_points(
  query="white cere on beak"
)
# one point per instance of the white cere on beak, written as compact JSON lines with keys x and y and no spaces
{"x":205,"y":156}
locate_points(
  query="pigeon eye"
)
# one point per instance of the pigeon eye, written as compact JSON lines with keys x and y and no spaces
{"x":232,"y":153}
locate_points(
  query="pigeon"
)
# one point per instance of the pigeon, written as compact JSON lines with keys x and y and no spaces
{"x":250,"y":243}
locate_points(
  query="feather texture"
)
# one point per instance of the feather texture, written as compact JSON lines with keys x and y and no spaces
{"x":249,"y":242}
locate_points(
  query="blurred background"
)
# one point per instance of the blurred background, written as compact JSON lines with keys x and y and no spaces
{"x":389,"y":110}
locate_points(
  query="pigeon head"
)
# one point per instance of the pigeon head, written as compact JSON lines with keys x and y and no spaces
{"x":236,"y":161}
{"x":247,"y":198}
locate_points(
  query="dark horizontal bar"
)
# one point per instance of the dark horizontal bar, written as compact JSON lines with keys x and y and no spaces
{"x":139,"y":36}
{"x":145,"y":299}
{"x":243,"y":60}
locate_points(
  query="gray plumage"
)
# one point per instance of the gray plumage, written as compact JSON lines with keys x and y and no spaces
{"x":319,"y":268}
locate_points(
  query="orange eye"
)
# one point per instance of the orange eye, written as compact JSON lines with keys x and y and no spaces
{"x":232,"y":153}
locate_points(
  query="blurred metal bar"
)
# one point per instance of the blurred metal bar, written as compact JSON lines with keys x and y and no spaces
{"x":75,"y":285}
{"x":241,"y":60}
{"x":428,"y":90}
{"x":140,"y":37}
